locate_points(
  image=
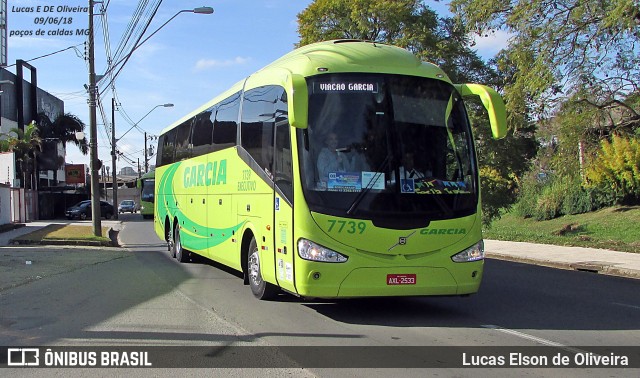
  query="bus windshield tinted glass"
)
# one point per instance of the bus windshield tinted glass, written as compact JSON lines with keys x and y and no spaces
{"x":379,"y":146}
{"x":147,"y":190}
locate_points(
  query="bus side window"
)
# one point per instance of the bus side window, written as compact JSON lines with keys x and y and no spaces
{"x":166,"y":155}
{"x":257,"y":128}
{"x":283,"y":163}
{"x":202,"y":130}
{"x":225,"y":127}
{"x":183,"y":136}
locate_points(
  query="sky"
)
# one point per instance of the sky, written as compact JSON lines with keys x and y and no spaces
{"x":187,"y":62}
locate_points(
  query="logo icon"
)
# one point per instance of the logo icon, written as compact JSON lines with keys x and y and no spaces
{"x":402,"y":240}
{"x":23,"y":357}
{"x":407,"y":186}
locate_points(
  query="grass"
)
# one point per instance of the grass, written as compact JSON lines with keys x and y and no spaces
{"x":65,"y":234}
{"x":615,"y":228}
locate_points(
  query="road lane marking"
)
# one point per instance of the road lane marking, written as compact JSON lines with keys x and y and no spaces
{"x":626,"y":305}
{"x":535,"y":339}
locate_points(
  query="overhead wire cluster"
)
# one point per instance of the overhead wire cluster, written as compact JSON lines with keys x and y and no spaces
{"x":129,"y":41}
{"x":133,"y":33}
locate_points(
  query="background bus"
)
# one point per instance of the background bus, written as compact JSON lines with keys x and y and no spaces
{"x":303,"y":176}
{"x":146,"y":184}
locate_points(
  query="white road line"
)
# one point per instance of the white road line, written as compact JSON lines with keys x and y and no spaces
{"x":534,"y":338}
{"x":626,"y":305}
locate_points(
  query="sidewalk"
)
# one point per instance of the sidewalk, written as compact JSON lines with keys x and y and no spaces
{"x":595,"y":260}
{"x":5,"y":237}
{"x":21,"y":264}
{"x":600,"y":261}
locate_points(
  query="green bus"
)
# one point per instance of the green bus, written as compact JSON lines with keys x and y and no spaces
{"x":298,"y":176}
{"x":146,"y":184}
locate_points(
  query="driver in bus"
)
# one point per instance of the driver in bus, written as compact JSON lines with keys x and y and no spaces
{"x":408,"y":169}
{"x":330,"y":159}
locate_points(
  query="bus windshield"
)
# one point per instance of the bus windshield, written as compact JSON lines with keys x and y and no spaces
{"x":147,"y":190}
{"x":388,"y":148}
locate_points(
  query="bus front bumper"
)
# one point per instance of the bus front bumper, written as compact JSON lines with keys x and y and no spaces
{"x":393,"y":282}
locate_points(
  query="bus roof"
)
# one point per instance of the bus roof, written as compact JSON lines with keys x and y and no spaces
{"x":343,"y":55}
{"x":348,"y":55}
{"x":150,"y":174}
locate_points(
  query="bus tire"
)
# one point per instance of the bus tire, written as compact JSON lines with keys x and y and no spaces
{"x":259,"y":287}
{"x":168,"y":235}
{"x":178,"y":251}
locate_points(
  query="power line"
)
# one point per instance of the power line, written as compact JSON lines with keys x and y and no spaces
{"x":46,"y":55}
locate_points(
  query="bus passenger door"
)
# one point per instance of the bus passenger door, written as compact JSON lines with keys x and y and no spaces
{"x":283,"y":207}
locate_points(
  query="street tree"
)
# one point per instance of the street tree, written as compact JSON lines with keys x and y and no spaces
{"x":25,"y":144}
{"x":62,"y":129}
{"x":562,"y":47}
{"x":405,"y":23}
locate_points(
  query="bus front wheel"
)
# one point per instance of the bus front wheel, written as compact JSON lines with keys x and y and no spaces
{"x":259,"y":287}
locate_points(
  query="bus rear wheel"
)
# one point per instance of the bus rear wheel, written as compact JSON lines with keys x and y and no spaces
{"x":178,"y":251}
{"x":259,"y":287}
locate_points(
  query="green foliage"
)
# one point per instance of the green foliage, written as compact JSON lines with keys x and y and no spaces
{"x":497,"y":193}
{"x":544,"y":199}
{"x":22,"y":142}
{"x":526,"y":205}
{"x":25,"y":144}
{"x":578,"y":200}
{"x":406,"y":23}
{"x":614,"y":228}
{"x":502,"y":162}
{"x":549,"y":203}
{"x":63,"y":128}
{"x":617,"y":169}
{"x":376,"y":20}
{"x":563,"y":46}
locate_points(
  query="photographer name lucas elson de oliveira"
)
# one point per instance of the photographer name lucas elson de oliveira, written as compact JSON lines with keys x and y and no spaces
{"x":559,"y":360}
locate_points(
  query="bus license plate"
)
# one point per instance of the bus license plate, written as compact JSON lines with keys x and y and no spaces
{"x":401,"y":279}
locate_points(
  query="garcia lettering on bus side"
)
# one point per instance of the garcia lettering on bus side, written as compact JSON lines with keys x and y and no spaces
{"x":211,"y":173}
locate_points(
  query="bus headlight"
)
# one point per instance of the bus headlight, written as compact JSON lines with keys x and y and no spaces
{"x":473,"y":253}
{"x":309,"y":250}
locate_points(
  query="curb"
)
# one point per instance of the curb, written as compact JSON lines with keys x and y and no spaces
{"x":90,"y":243}
{"x":112,"y":234}
{"x":10,"y":227}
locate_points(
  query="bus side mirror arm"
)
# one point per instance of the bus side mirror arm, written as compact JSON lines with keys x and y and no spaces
{"x":491,"y":101}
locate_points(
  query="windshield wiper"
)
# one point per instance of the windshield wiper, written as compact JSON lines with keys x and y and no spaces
{"x":374,"y":179}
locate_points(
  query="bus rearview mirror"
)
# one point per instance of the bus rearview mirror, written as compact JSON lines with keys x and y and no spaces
{"x":491,"y":101}
{"x":298,"y":104}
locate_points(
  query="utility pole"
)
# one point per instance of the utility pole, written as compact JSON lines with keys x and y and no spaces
{"x":93,"y":138}
{"x":146,"y":160}
{"x":113,"y":157}
{"x":104,"y":183}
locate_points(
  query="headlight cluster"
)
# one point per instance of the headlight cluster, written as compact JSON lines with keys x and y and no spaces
{"x":473,"y":253}
{"x":309,"y":250}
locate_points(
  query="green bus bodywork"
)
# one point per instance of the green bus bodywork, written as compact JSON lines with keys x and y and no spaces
{"x":225,"y":205}
{"x":146,"y":184}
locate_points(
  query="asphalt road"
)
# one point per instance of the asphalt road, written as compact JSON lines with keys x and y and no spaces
{"x":144,"y":297}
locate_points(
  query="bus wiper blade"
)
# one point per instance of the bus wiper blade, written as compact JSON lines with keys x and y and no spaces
{"x":366,"y":190}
